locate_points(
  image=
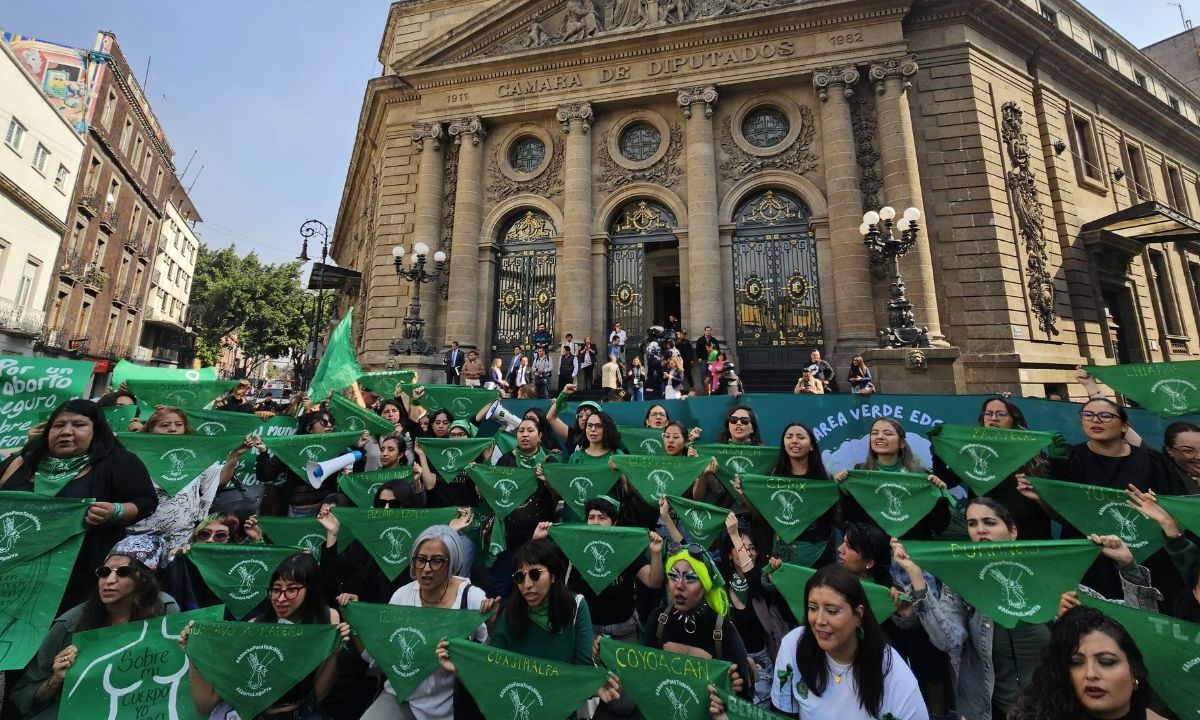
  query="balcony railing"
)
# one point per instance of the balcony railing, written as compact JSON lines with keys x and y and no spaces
{"x":89,"y":202}
{"x":74,"y":266}
{"x":135,"y":303}
{"x":137,"y":243}
{"x":55,"y":337}
{"x":95,"y":277}
{"x":110,"y":219}
{"x":80,"y":344}
{"x":20,"y":319}
{"x":122,"y":295}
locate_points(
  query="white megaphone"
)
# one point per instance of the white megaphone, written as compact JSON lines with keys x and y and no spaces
{"x":508,"y":421}
{"x":317,"y":472}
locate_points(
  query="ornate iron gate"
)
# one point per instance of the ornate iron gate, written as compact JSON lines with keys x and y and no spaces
{"x":639,"y":225}
{"x":525,"y":294}
{"x":776,"y":291}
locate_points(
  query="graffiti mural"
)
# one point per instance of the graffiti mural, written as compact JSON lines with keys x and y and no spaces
{"x":62,"y":73}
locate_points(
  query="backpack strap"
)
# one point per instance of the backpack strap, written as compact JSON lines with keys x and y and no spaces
{"x":661,"y":625}
{"x":462,"y":603}
{"x":719,"y":637}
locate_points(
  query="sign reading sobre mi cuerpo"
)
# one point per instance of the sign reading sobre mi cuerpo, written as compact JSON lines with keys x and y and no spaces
{"x":31,"y":388}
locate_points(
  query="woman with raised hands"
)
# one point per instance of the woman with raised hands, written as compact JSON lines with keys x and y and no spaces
{"x":741,"y":428}
{"x":1184,"y":554}
{"x":573,"y":437}
{"x":302,"y":499}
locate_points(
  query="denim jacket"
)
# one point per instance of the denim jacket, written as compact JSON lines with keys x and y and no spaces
{"x":967,"y":636}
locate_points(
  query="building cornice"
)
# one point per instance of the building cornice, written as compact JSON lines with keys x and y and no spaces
{"x":35,"y":208}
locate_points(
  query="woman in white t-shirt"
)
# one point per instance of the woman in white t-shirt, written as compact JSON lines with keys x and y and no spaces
{"x":436,"y":563}
{"x":838,"y":664}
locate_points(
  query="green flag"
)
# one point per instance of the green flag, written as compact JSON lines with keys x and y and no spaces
{"x":361,"y":487}
{"x":31,"y":388}
{"x":1169,"y":389}
{"x":349,"y":415}
{"x":983,"y":457}
{"x":30,"y":592}
{"x":701,"y":521}
{"x":338,"y":367}
{"x":384,"y":382}
{"x":174,"y":461}
{"x":32,"y":524}
{"x":642,"y":440}
{"x":403,"y":640}
{"x":304,"y":533}
{"x":1010,"y":582}
{"x":506,"y":442}
{"x":653,"y":477}
{"x":133,"y":671}
{"x":738,"y":709}
{"x":296,"y":451}
{"x":222,"y":422}
{"x":789,"y":505}
{"x":251,"y":665}
{"x":664,"y":684}
{"x":1092,"y":509}
{"x":388,"y":533}
{"x":151,"y":393}
{"x":504,"y":488}
{"x":279,"y":426}
{"x":734,"y":459}
{"x":1171,"y":649}
{"x":239,"y":575}
{"x":119,"y":416}
{"x":576,"y":484}
{"x":462,"y":401}
{"x":1185,"y":510}
{"x":126,"y":370}
{"x":507,"y":685}
{"x":600,"y":553}
{"x":895,"y":500}
{"x":450,"y":456}
{"x":790,"y":580}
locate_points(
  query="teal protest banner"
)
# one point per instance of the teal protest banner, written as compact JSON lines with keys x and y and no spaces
{"x":126,"y":370}
{"x":30,"y":389}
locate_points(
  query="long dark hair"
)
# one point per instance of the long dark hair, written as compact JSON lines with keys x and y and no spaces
{"x":434,"y":416}
{"x":872,"y":543}
{"x":755,"y":437}
{"x":1051,"y":694}
{"x":543,"y":552}
{"x":103,"y":440}
{"x":146,"y":600}
{"x":908,"y":461}
{"x":1173,"y":431}
{"x":872,"y":662}
{"x":305,"y":423}
{"x":816,"y":464}
{"x":1018,"y":415}
{"x":548,"y":442}
{"x":611,"y":439}
{"x":300,"y":568}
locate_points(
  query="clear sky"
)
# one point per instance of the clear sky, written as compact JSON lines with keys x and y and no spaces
{"x":267,"y":93}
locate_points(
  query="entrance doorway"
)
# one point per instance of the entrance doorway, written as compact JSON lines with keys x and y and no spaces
{"x":643,"y":269}
{"x":1122,"y":326}
{"x":667,"y":300}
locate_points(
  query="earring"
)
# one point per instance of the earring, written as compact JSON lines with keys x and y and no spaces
{"x":1135,"y":683}
{"x":863,"y":634}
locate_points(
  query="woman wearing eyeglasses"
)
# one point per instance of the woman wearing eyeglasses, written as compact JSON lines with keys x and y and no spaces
{"x":601,"y":440}
{"x":183,"y":579}
{"x":300,"y":497}
{"x":125,"y":590}
{"x":1181,"y":443}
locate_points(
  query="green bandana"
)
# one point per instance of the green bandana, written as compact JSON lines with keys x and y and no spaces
{"x":30,"y":389}
{"x":304,"y":533}
{"x":296,"y":451}
{"x":180,"y":394}
{"x":53,"y":474}
{"x":653,"y":477}
{"x":600,"y":553}
{"x":220,"y":422}
{"x":642,"y":440}
{"x":789,"y":505}
{"x":739,"y":459}
{"x":529,"y":461}
{"x":540,"y":615}
{"x":463,"y":402}
{"x":361,"y":487}
{"x":338,"y":368}
{"x":504,"y":488}
{"x":1185,"y":510}
{"x":119,"y":416}
{"x":174,"y":461}
{"x":41,"y":539}
{"x":402,"y":639}
{"x":1169,"y":389}
{"x":1010,"y":582}
{"x":509,"y":685}
{"x":702,"y":522}
{"x":384,"y":382}
{"x":984,"y":457}
{"x":791,"y":579}
{"x":505,"y":442}
{"x":450,"y":456}
{"x":497,"y":543}
{"x":1171,"y":649}
{"x":895,"y":500}
{"x":1092,"y":509}
{"x":349,"y":415}
{"x":388,"y":533}
{"x":738,"y":709}
{"x":239,"y":575}
{"x":135,"y":670}
{"x":251,"y":665}
{"x":576,"y":485}
{"x":664,"y":684}
{"x":126,"y":371}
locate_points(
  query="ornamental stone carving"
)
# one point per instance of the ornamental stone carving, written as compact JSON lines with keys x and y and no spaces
{"x":690,"y":96}
{"x":423,"y":130}
{"x":471,"y":128}
{"x":823,"y":78}
{"x":901,"y":67}
{"x":547,"y":182}
{"x":796,"y":156}
{"x":664,"y":172}
{"x":575,"y":111}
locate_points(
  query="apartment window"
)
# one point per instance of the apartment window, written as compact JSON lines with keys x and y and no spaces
{"x":1050,"y":14}
{"x":60,"y":306}
{"x":29,"y":278}
{"x":1086,"y":152}
{"x":93,"y":175}
{"x":158,"y":182}
{"x":1137,"y":173}
{"x":4,"y":246}
{"x":1166,"y":293}
{"x":1174,"y":103}
{"x":110,"y":107}
{"x":148,"y":163}
{"x":1140,"y":79}
{"x":15,"y":135}
{"x":40,"y":155}
{"x":77,"y":236}
{"x":101,"y":245}
{"x":137,"y":149}
{"x":125,"y":133}
{"x":1100,"y":51}
{"x":84,"y":320}
{"x":60,"y":178}
{"x":1177,"y":197}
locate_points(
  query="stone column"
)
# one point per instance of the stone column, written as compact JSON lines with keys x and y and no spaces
{"x":704,"y":252}
{"x":902,"y":182}
{"x":573,"y":310}
{"x":427,"y":224}
{"x":852,"y":292}
{"x":462,"y":311}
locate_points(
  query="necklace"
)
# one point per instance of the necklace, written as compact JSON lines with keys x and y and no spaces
{"x":837,"y":676}
{"x":439,"y":600}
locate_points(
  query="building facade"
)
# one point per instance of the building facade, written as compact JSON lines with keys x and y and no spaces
{"x":713,"y":160}
{"x":166,"y":333}
{"x":38,"y":167}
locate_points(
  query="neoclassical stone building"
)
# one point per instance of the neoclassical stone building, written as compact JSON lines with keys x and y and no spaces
{"x":584,"y":162}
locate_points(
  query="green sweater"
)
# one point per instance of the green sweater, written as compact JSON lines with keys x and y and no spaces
{"x":572,"y":645}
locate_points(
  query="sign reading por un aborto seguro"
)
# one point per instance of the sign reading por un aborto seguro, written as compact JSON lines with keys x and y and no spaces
{"x":30,"y":389}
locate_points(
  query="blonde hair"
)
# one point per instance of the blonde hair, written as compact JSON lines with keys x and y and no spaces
{"x":160,"y":413}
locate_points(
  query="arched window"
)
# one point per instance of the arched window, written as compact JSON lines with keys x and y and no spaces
{"x":640,"y":228}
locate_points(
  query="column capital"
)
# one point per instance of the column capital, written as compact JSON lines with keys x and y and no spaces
{"x":843,"y":77}
{"x":901,"y":68}
{"x":706,"y":94}
{"x":422,"y":131}
{"x":581,"y":111}
{"x":470,"y":127}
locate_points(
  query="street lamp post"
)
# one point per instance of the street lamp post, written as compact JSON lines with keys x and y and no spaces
{"x":414,"y":342}
{"x":883,"y":243}
{"x":309,"y":229}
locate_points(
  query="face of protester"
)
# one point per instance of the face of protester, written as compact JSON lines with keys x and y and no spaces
{"x":535,"y":592}
{"x":984,"y":525}
{"x":123,"y":400}
{"x":423,"y":423}
{"x":1099,"y":429}
{"x":457,"y":432}
{"x":240,"y":391}
{"x":594,"y":430}
{"x":816,"y":356}
{"x":833,"y":622}
{"x":674,"y":442}
{"x":529,"y":436}
{"x":69,"y":435}
{"x":1186,"y":452}
{"x":322,"y":425}
{"x":389,"y":453}
{"x":657,"y":417}
{"x":853,"y":561}
{"x":636,"y":362}
{"x":996,"y":415}
{"x":740,"y":426}
{"x":169,"y":424}
{"x":429,"y":554}
{"x":582,"y":415}
{"x":599,"y":517}
{"x":684,"y":586}
{"x":1101,"y":676}
{"x":440,"y":425}
{"x":214,"y":533}
{"x":114,"y":588}
{"x":796,"y":443}
{"x":391,"y":413}
{"x":885,"y":440}
{"x":287,"y":596}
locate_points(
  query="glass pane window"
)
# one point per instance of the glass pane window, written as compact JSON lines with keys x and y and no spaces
{"x":765,"y":127}
{"x":639,"y":141}
{"x":527,"y":154}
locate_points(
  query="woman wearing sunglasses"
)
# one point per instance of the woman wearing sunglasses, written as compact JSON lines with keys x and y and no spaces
{"x":741,"y":428}
{"x":125,"y":590}
{"x":183,"y":579}
{"x":301,"y":498}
